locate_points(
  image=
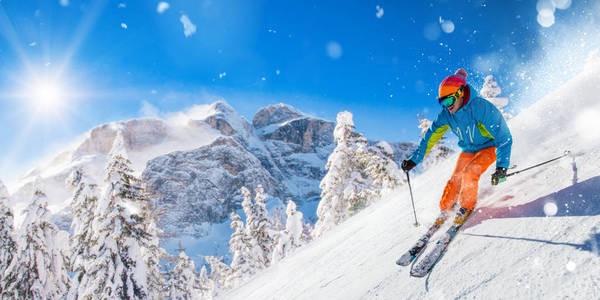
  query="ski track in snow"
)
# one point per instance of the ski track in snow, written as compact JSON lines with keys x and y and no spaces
{"x":507,"y":249}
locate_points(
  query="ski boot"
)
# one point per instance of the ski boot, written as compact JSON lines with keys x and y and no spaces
{"x":461,"y":215}
{"x":442,"y":218}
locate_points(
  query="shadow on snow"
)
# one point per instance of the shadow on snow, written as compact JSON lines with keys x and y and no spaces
{"x":579,"y":199}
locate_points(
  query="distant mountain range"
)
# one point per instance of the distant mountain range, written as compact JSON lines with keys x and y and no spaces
{"x":196,"y":162}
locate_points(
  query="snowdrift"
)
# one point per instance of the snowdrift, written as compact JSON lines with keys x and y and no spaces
{"x":536,"y":235}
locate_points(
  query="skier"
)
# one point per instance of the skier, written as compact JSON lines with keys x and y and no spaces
{"x":483,"y":137}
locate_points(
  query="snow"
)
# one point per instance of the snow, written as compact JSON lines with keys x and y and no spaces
{"x":380,"y":12}
{"x":162,"y":7}
{"x":188,"y":27}
{"x":334,"y":50}
{"x":534,"y":236}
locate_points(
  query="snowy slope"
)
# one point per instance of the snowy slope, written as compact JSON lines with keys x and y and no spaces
{"x":535,"y":236}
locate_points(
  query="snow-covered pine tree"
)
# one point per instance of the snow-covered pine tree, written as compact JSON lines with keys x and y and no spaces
{"x":207,"y":286}
{"x":294,"y":224}
{"x":381,"y":169}
{"x":243,"y":264}
{"x":39,"y":270}
{"x":282,"y":246}
{"x":307,"y":233}
{"x":8,"y":246}
{"x":119,"y":270}
{"x":219,"y":274}
{"x":490,"y":92}
{"x":83,"y":206}
{"x":278,"y":218}
{"x":256,"y":252}
{"x":490,"y":88}
{"x":424,"y":125}
{"x":291,"y":236}
{"x":184,"y":281}
{"x":260,"y":227}
{"x":345,"y":186}
{"x":151,"y":250}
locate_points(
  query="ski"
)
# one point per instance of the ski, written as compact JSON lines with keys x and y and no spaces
{"x":414,"y":252}
{"x":428,"y":262}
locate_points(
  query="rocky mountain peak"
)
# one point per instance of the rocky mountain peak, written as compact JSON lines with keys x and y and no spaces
{"x":274,"y":114}
{"x":138,"y":134}
{"x":222,"y":106}
{"x":226,"y":120}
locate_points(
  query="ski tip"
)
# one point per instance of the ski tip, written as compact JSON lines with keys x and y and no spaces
{"x":405,"y":260}
{"x":402,"y":263}
{"x":418,"y":274}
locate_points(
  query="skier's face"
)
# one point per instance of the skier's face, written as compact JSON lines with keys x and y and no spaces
{"x":457,"y":105}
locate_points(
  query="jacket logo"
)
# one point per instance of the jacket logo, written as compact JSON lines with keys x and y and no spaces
{"x":470,"y":131}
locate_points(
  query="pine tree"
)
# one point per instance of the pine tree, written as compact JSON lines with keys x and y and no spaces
{"x":294,"y":224}
{"x":255,"y":251}
{"x":307,"y":233}
{"x":8,"y":246}
{"x":381,"y":169}
{"x":282,"y":246}
{"x":292,"y":236}
{"x":490,"y":88}
{"x":490,"y":92}
{"x":260,"y":228}
{"x":83,"y":205}
{"x":207,"y":286}
{"x":119,"y":270}
{"x":243,"y":264}
{"x":184,"y":281}
{"x":219,"y":274}
{"x":151,"y":250}
{"x":39,"y":270}
{"x":345,"y":186}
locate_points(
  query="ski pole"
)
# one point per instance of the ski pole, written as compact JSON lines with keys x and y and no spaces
{"x":567,"y":153}
{"x":412,"y":200}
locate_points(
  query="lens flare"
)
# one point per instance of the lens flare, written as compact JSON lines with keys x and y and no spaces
{"x":47,"y":95}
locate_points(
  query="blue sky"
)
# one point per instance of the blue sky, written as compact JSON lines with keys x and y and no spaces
{"x":382,"y":60}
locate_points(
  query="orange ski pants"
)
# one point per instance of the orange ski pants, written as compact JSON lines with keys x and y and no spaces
{"x":465,"y":179}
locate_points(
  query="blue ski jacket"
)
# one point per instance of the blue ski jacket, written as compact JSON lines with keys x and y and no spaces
{"x":478,"y":125}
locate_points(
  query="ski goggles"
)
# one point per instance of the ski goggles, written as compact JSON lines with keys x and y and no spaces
{"x":449,"y":100}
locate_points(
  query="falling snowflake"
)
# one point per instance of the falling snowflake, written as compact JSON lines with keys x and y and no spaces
{"x":334,"y":50}
{"x":447,"y":25}
{"x":571,"y":266}
{"x":550,"y":209}
{"x":379,"y":12}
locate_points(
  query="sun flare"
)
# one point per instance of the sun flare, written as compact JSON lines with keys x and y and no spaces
{"x":47,"y":95}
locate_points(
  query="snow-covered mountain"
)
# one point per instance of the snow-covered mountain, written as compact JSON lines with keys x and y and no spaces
{"x":196,"y":161}
{"x":535,"y":236}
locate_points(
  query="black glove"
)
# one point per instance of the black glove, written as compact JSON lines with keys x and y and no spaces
{"x":407,"y":165}
{"x":499,"y":176}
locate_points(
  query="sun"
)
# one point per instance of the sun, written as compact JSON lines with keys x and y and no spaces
{"x":47,"y":95}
